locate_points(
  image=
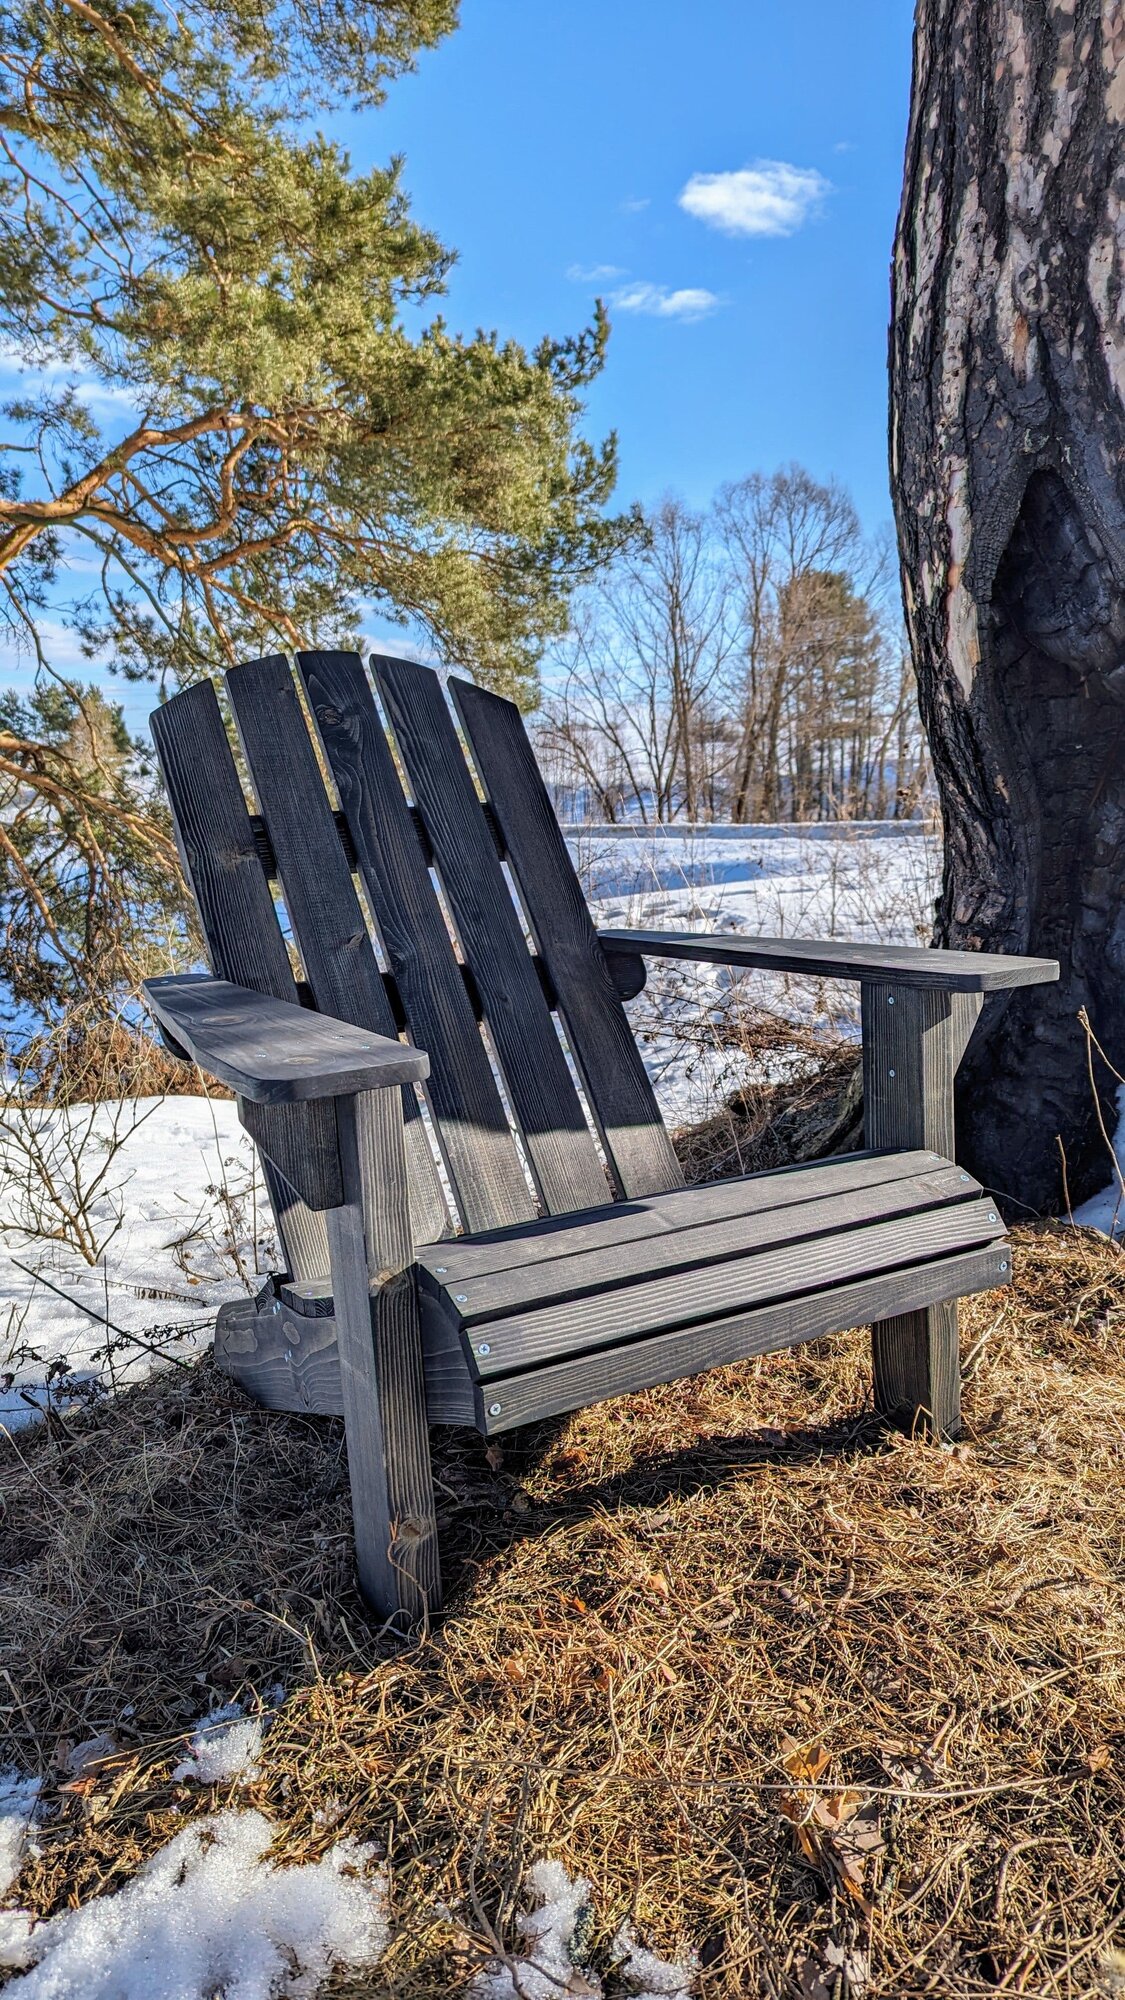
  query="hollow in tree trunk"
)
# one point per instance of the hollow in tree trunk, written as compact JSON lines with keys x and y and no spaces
{"x":1008,"y":462}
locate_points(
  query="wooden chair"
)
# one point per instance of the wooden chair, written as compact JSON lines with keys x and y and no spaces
{"x":479,"y":1225}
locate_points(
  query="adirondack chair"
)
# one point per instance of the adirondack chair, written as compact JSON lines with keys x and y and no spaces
{"x":481,"y":1226}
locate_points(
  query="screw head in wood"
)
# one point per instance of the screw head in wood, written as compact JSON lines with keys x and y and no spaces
{"x":1003,"y":1267}
{"x":440,"y":1270}
{"x":890,"y":1072}
{"x":461,"y":1298}
{"x":494,"y":1409}
{"x":484,"y":1348}
{"x":890,"y":999}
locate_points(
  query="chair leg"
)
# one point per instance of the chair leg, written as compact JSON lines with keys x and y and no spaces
{"x":917,"y":1370}
{"x":381,"y":1377}
{"x":913,"y":1040}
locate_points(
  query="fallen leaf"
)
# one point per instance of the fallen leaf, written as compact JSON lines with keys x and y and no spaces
{"x":657,"y":1582}
{"x":838,"y":1832}
{"x":494,"y":1453}
{"x":1098,"y":1759}
{"x":515,"y":1670}
{"x":834,"y":1972}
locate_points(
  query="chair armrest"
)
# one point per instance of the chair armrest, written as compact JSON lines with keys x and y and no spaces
{"x":889,"y":964}
{"x":272,"y":1052}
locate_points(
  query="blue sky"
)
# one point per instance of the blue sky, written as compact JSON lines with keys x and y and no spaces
{"x":542,"y":140}
{"x":726,"y":175}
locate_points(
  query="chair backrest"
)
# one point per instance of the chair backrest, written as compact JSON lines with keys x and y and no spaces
{"x":457,"y":919}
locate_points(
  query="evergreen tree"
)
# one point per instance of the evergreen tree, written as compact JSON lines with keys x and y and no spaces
{"x":241,"y":412}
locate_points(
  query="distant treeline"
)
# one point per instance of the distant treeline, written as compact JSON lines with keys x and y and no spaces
{"x":743,"y":663}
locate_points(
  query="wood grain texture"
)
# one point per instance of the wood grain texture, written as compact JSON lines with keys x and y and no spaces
{"x":559,"y":1144}
{"x":331,"y":932}
{"x":615,"y":1080}
{"x":381,"y":1374}
{"x":907,"y":965}
{"x":543,"y":1334}
{"x":272,"y":1053}
{"x":622,"y":1223}
{"x":286,"y":1362}
{"x":489,"y":1183}
{"x":281,"y":1361}
{"x":912,"y":1042}
{"x":570,"y":1385}
{"x":299,"y":1141}
{"x":615,"y":1268}
{"x":236,"y":910}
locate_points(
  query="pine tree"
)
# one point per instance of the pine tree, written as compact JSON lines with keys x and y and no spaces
{"x":243,"y":412}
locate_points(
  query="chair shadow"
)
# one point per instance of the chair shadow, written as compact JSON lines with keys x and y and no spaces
{"x":484,"y":1511}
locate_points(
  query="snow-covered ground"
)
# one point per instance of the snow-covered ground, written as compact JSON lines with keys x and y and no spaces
{"x":165,"y":1195}
{"x":872,"y":883}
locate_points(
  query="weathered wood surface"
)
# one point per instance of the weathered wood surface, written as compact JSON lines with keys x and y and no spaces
{"x":273,"y":1053}
{"x":701,"y":1249}
{"x":560,"y":1146}
{"x":236,"y":910}
{"x":331,"y":933}
{"x":1008,"y":433}
{"x":677,"y":1298}
{"x":282,"y":1361}
{"x":623,"y":1222}
{"x":288,"y":1362}
{"x":616,"y":1082}
{"x":912,"y":1042}
{"x":907,"y":965}
{"x":488,"y":1181}
{"x":381,"y":1375}
{"x":615,"y":1371}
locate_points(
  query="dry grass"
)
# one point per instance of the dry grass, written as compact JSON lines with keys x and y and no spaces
{"x":813,"y":1109}
{"x":643,"y":1605}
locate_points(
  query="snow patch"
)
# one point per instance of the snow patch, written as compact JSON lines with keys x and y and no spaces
{"x":208,"y":1915}
{"x":1106,"y":1211}
{"x":648,"y":1977}
{"x":18,"y":1796}
{"x":556,"y":1932}
{"x":224,"y":1747}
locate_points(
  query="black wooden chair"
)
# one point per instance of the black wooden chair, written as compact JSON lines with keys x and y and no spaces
{"x":478,"y":1226}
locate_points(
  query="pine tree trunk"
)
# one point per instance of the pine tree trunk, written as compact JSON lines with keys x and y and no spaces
{"x":1008,"y":461}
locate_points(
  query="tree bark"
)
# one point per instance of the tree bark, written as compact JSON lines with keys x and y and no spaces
{"x":1008,"y":464}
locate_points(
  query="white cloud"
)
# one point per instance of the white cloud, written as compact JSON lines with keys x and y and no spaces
{"x":634,"y":207}
{"x":657,"y":302}
{"x":593,"y":274}
{"x":770,"y":198}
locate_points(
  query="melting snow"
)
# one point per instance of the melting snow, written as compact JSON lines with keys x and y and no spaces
{"x":1106,"y":1211}
{"x":208,"y":1915}
{"x":225,"y":1746}
{"x":552,"y":1965}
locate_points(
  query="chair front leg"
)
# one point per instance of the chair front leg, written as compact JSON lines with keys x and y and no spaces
{"x":913,"y":1041}
{"x":379,"y":1340}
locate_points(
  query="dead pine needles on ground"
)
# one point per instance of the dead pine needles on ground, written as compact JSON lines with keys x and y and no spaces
{"x":840,"y":1712}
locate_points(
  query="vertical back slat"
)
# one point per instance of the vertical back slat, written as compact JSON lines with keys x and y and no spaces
{"x":560,"y":1147}
{"x":236,"y":910}
{"x":336,"y":948}
{"x":638,"y":1147}
{"x":488,"y":1181}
